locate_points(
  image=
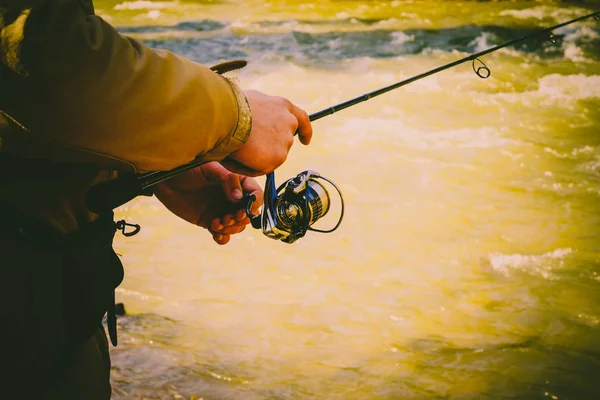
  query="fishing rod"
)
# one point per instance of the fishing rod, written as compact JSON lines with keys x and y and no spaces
{"x":480,"y":69}
{"x":303,"y":201}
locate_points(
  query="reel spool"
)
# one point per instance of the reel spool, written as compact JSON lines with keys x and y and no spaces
{"x":290,"y":210}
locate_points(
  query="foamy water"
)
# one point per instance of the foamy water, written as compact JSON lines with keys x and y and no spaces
{"x":467,"y":265}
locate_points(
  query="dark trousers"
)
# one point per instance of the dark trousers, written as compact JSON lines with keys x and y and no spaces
{"x":54,"y":291}
{"x":86,"y":374}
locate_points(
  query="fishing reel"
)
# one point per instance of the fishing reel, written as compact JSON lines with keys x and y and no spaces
{"x":289,"y":211}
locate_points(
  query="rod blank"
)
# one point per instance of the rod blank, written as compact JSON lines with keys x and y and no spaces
{"x":109,"y":195}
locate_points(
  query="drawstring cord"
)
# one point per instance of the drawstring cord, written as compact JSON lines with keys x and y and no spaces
{"x":111,"y":316}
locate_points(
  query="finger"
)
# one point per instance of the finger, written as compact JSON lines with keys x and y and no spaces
{"x":239,"y":218}
{"x":251,"y":186}
{"x":216,"y":225}
{"x":304,"y":130}
{"x":221,"y":239}
{"x":232,"y":230}
{"x":255,"y":208}
{"x":227,"y":220}
{"x":213,"y":172}
{"x":232,"y":187}
{"x":240,"y":215}
{"x":198,"y":177}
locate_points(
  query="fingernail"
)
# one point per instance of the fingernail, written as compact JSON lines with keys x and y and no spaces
{"x":237,"y":194}
{"x":219,"y":237}
{"x":230,"y":222}
{"x":219,"y":228}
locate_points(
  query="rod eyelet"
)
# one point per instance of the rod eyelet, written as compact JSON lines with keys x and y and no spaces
{"x":481,"y":70}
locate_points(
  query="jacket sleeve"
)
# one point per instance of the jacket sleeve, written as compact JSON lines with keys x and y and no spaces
{"x":109,"y":97}
{"x":21,"y":3}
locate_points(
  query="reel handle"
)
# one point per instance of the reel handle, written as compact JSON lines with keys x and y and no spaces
{"x":254,"y":219}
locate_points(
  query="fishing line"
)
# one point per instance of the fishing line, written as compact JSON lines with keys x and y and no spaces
{"x":289,"y":211}
{"x":479,"y":67}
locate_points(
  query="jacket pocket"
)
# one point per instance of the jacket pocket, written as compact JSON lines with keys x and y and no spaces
{"x":93,"y":271}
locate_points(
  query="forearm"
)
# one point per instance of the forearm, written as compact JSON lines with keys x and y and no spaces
{"x":93,"y":89}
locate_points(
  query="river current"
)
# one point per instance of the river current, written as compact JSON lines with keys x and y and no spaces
{"x":468,"y":263}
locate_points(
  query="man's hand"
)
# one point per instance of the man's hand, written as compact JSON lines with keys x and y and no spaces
{"x":275,"y":120}
{"x":208,"y":196}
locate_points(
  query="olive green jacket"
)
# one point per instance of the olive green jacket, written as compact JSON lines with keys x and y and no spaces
{"x":75,"y":91}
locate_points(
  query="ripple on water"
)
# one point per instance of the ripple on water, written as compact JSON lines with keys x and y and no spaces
{"x":438,"y":176}
{"x":542,"y":264}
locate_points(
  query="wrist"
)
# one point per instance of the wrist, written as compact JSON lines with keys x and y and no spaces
{"x":244,"y":121}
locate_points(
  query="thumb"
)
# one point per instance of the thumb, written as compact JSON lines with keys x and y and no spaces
{"x":232,"y":187}
{"x":229,"y":181}
{"x":214,"y":172}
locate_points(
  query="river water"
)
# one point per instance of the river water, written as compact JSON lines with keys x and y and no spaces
{"x":468,"y":263}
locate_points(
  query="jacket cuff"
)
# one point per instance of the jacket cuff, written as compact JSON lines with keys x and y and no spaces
{"x":240,"y":131}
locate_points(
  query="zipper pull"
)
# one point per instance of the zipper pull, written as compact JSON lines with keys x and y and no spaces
{"x":122,"y":226}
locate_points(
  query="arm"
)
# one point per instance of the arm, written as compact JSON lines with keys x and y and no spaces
{"x":109,"y":97}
